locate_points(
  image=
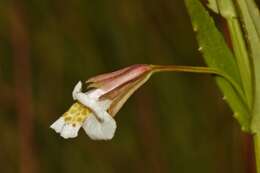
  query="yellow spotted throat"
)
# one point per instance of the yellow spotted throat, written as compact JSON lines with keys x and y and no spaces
{"x":76,"y":114}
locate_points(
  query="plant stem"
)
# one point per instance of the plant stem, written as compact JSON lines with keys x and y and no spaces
{"x":257,"y":151}
{"x":201,"y":70}
{"x":191,"y":69}
{"x":242,"y":57}
{"x":228,"y":11}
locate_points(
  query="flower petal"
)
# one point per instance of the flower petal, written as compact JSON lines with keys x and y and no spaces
{"x":58,"y":125}
{"x":97,"y":107}
{"x":76,"y":89}
{"x":70,"y":131}
{"x":97,"y":130}
{"x":95,"y":93}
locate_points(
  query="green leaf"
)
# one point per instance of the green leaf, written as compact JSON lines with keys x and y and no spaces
{"x":216,"y":54}
{"x":251,"y":20}
{"x":228,"y":11}
{"x":255,"y":14}
{"x":242,"y":58}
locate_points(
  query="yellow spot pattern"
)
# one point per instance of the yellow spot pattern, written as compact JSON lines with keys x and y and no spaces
{"x":76,"y":114}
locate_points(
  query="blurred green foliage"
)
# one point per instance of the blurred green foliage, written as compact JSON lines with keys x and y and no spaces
{"x":175,"y":123}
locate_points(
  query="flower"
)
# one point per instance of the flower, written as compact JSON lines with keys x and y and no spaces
{"x":95,"y":109}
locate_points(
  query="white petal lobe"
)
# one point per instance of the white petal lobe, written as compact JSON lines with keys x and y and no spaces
{"x":76,"y":90}
{"x":94,"y":105}
{"x":58,"y":125}
{"x":97,"y":130}
{"x":70,"y":131}
{"x":66,"y":130}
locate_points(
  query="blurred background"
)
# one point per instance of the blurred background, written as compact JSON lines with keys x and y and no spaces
{"x":175,"y":123}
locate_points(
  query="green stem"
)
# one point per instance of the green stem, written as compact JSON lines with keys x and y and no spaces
{"x":228,"y":11}
{"x":257,"y":151}
{"x":201,"y":70}
{"x":191,"y":69}
{"x":242,"y":57}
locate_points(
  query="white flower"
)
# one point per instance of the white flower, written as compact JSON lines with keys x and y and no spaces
{"x":95,"y":109}
{"x":97,"y":123}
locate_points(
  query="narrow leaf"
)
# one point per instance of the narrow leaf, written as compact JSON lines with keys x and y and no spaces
{"x":255,"y":14}
{"x":216,"y":54}
{"x":251,"y":19}
{"x":228,"y":11}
